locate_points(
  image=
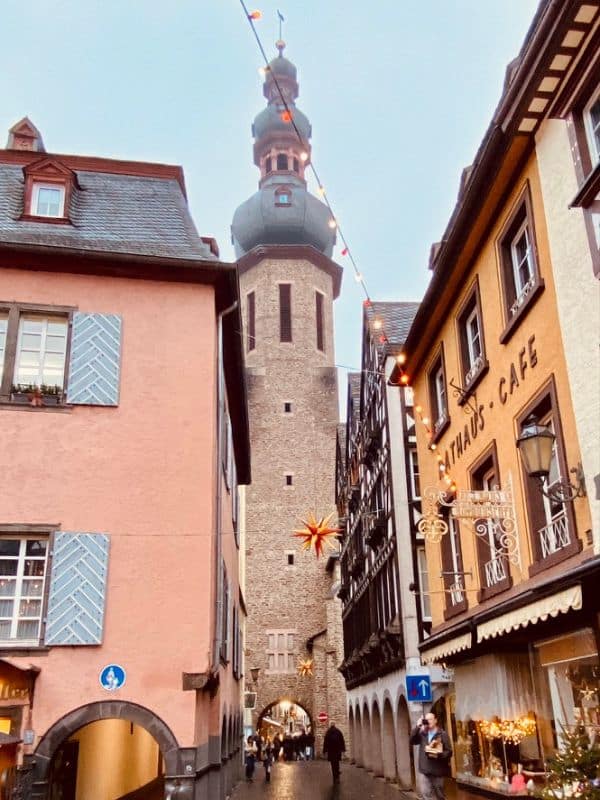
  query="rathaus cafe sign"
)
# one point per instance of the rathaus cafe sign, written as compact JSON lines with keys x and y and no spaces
{"x":508,"y":384}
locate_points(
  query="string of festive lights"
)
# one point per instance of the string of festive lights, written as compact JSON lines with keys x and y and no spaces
{"x":377,"y":323}
{"x":287,"y":115}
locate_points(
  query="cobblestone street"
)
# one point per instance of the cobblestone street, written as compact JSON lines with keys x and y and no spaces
{"x":302,"y":780}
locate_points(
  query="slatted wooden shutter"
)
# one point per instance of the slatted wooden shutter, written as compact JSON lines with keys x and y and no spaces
{"x":95,"y":363}
{"x":77,"y":589}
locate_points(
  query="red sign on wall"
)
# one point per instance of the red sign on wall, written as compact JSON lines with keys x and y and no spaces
{"x":322,"y":716}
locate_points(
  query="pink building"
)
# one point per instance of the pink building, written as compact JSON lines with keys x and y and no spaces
{"x":124,"y":435}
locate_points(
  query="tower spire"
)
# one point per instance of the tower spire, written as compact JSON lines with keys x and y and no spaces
{"x":281,"y":21}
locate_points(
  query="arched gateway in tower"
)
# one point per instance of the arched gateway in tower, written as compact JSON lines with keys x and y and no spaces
{"x":288,"y":283}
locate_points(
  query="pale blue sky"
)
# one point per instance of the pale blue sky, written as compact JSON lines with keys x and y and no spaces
{"x":399,"y":94}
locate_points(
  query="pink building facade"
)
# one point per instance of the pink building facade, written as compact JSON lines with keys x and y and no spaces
{"x":124,"y":435}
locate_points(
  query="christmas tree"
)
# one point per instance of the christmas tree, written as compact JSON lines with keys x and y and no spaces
{"x":575,"y":770}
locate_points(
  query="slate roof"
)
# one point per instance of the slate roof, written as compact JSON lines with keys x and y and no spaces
{"x":110,"y":213}
{"x":353,"y":414}
{"x":397,"y":319}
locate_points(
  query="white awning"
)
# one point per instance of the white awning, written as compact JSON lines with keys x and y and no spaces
{"x":438,"y":652}
{"x":551,"y":606}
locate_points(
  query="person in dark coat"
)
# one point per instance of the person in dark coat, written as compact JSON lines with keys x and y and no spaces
{"x":435,"y":751}
{"x":333,"y":747}
{"x":276,"y":747}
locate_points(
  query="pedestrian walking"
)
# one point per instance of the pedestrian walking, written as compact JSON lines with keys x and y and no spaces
{"x":333,"y":747}
{"x":267,"y":759}
{"x":435,"y":751}
{"x":276,"y":747}
{"x":250,"y":758}
{"x":310,"y":745}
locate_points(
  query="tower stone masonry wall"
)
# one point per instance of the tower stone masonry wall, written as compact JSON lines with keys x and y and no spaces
{"x":298,"y":598}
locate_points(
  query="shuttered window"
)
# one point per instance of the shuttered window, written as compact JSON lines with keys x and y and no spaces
{"x":251,"y":309}
{"x":285,"y":312}
{"x":319,"y":321}
{"x":22,"y":586}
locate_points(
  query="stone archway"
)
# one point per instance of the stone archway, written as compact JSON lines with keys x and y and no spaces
{"x":177,"y":761}
{"x":388,"y":742}
{"x":357,"y":740}
{"x":376,"y":744}
{"x":366,"y":737}
{"x":404,"y":754}
{"x":293,"y":701}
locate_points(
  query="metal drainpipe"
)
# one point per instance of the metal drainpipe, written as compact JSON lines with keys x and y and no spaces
{"x":218,"y":548}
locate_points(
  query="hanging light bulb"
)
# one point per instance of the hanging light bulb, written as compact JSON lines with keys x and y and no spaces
{"x":304,"y":156}
{"x":286,"y":115}
{"x":332,"y":223}
{"x":425,"y":420}
{"x":405,"y":380}
{"x":358,"y":277}
{"x":262,"y":71}
{"x":418,"y":409}
{"x":401,"y":359}
{"x":377,"y":324}
{"x":345,"y":251}
{"x":321,"y":190}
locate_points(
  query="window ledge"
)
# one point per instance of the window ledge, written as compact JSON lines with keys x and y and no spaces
{"x":51,"y":220}
{"x":474,"y":383}
{"x":491,"y":591}
{"x":516,"y":320}
{"x":21,"y":405}
{"x":454,"y":611}
{"x":572,"y":549}
{"x":20,"y":650}
{"x":588,"y":191}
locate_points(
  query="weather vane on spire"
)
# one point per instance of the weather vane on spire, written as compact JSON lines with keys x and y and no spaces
{"x":281,"y":21}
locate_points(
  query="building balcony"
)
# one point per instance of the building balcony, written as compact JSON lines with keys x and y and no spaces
{"x":555,"y":536}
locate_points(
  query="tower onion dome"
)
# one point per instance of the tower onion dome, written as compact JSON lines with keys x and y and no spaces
{"x":282,"y":211}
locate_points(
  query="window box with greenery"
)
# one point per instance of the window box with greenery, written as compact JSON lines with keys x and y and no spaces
{"x":34,"y":395}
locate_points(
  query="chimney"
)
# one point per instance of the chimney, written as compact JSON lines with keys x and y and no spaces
{"x":25,"y":136}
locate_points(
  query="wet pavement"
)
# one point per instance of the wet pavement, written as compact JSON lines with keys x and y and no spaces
{"x":311,"y":780}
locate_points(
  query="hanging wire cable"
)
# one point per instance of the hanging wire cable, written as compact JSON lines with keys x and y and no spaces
{"x":288,"y":115}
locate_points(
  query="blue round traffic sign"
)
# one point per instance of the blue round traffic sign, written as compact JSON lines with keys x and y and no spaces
{"x":112,"y":677}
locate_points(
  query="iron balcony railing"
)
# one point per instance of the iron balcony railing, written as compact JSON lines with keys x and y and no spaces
{"x":555,"y":536}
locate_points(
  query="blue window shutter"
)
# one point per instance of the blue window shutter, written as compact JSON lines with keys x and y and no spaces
{"x":77,"y":589}
{"x":95,"y":363}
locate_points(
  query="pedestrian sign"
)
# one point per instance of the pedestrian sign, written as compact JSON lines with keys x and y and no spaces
{"x":418,"y":688}
{"x":112,"y":677}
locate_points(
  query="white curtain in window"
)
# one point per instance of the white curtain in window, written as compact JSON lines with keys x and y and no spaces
{"x":494,"y":686}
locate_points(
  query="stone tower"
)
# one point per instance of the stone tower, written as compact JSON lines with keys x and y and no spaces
{"x":288,"y":282}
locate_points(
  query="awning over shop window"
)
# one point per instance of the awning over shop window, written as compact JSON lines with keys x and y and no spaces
{"x":551,"y":606}
{"x":440,"y":651}
{"x":494,"y":686}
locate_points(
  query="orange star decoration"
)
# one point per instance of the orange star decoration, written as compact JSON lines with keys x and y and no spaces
{"x":317,"y":533}
{"x":305,"y":667}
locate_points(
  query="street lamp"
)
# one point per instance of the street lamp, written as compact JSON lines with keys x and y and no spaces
{"x":255,"y":672}
{"x":536,"y":444}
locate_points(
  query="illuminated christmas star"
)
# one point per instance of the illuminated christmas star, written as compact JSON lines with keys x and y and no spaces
{"x":305,"y":667}
{"x":317,"y":533}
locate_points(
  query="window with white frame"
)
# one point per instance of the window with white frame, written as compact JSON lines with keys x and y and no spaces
{"x":48,"y":200}
{"x":473,"y":331}
{"x":23,"y":567}
{"x":3,"y":329}
{"x":522,"y":261}
{"x":41,"y":350}
{"x":441,"y":408}
{"x":591,"y":119}
{"x":415,"y":482}
{"x":424,"y":584}
{"x":281,"y":652}
{"x":472,"y":347}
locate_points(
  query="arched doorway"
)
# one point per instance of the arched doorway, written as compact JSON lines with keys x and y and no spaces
{"x":358,"y":726}
{"x":404,"y":754}
{"x":366,"y":738}
{"x":388,"y":742}
{"x":376,"y":746}
{"x":106,"y":749}
{"x":291,"y":721}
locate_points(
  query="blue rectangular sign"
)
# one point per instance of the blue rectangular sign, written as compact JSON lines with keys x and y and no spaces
{"x":418,"y":688}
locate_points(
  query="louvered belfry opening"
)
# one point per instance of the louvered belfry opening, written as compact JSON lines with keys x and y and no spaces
{"x":285,"y":312}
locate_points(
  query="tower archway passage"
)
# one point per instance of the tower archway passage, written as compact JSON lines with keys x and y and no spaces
{"x":284,"y":716}
{"x":388,"y":742}
{"x":404,"y":760}
{"x":108,"y":749}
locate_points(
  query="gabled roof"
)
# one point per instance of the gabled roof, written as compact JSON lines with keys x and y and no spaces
{"x":110,"y":213}
{"x":396,"y":317}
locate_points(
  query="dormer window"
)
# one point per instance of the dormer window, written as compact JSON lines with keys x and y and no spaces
{"x":283,"y":197}
{"x":48,"y":200}
{"x":282,"y":161}
{"x":48,"y":188}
